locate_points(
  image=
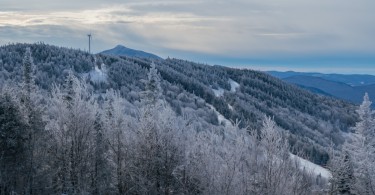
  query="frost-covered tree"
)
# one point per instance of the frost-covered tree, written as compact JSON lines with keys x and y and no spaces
{"x":363,"y":148}
{"x":153,"y":91}
{"x":72,"y":124}
{"x":353,"y":172}
{"x":68,"y":87}
{"x":102,"y":173}
{"x":120,"y":140}
{"x":366,"y":125}
{"x":276,"y":154}
{"x":13,"y":146}
{"x":28,"y":84}
{"x":343,"y":179}
{"x":33,"y":110}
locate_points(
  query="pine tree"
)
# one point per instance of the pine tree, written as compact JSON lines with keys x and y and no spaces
{"x":345,"y":176}
{"x":28,"y":74}
{"x":153,"y":89}
{"x":366,"y":124}
{"x":68,"y":88}
{"x":360,"y":149}
{"x":13,"y":147}
{"x":363,"y":148}
{"x":33,"y":115}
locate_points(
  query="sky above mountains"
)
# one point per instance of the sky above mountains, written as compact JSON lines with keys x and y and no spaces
{"x":319,"y":35}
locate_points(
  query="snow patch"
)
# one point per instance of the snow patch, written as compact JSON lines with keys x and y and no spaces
{"x":220,"y":117}
{"x":311,"y":167}
{"x":230,"y":107}
{"x":233,"y":85}
{"x":98,"y":74}
{"x":218,"y":92}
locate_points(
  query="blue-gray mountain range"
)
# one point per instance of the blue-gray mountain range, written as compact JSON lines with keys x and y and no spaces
{"x":347,"y":87}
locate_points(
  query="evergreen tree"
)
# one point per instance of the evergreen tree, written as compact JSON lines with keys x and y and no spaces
{"x":366,"y":125}
{"x":345,"y":176}
{"x":363,"y":148}
{"x":68,"y":88}
{"x":153,"y":89}
{"x":33,"y":114}
{"x":354,"y":171}
{"x":13,"y":147}
{"x":28,"y":74}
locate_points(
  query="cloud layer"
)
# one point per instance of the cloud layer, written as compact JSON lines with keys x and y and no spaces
{"x":254,"y":31}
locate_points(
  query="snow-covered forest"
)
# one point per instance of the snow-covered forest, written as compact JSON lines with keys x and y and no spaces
{"x":75,"y":123}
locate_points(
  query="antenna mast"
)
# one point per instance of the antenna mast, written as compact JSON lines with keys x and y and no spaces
{"x":89,"y":35}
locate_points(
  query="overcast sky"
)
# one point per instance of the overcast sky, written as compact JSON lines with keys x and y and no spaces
{"x":301,"y":35}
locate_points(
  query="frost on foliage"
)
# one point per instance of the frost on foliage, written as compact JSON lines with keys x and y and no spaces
{"x":71,"y":120}
{"x":222,"y":120}
{"x":366,"y":125}
{"x":28,"y":84}
{"x":359,"y":148}
{"x":153,"y":91}
{"x":99,"y":74}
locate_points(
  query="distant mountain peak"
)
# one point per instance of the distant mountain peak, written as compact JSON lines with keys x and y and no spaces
{"x":119,"y":46}
{"x":121,"y":50}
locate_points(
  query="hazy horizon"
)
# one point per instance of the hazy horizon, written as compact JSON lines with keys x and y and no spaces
{"x":319,"y":36}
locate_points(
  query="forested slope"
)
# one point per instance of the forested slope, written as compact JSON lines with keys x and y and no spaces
{"x":312,"y":120}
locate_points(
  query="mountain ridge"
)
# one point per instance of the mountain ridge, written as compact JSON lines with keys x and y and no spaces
{"x":350,"y":79}
{"x":121,"y":50}
{"x":333,"y":88}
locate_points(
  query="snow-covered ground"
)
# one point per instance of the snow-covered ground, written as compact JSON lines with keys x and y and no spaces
{"x":311,"y":167}
{"x":230,"y":107}
{"x":220,"y":117}
{"x":233,"y":85}
{"x":98,"y":75}
{"x":218,"y":92}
